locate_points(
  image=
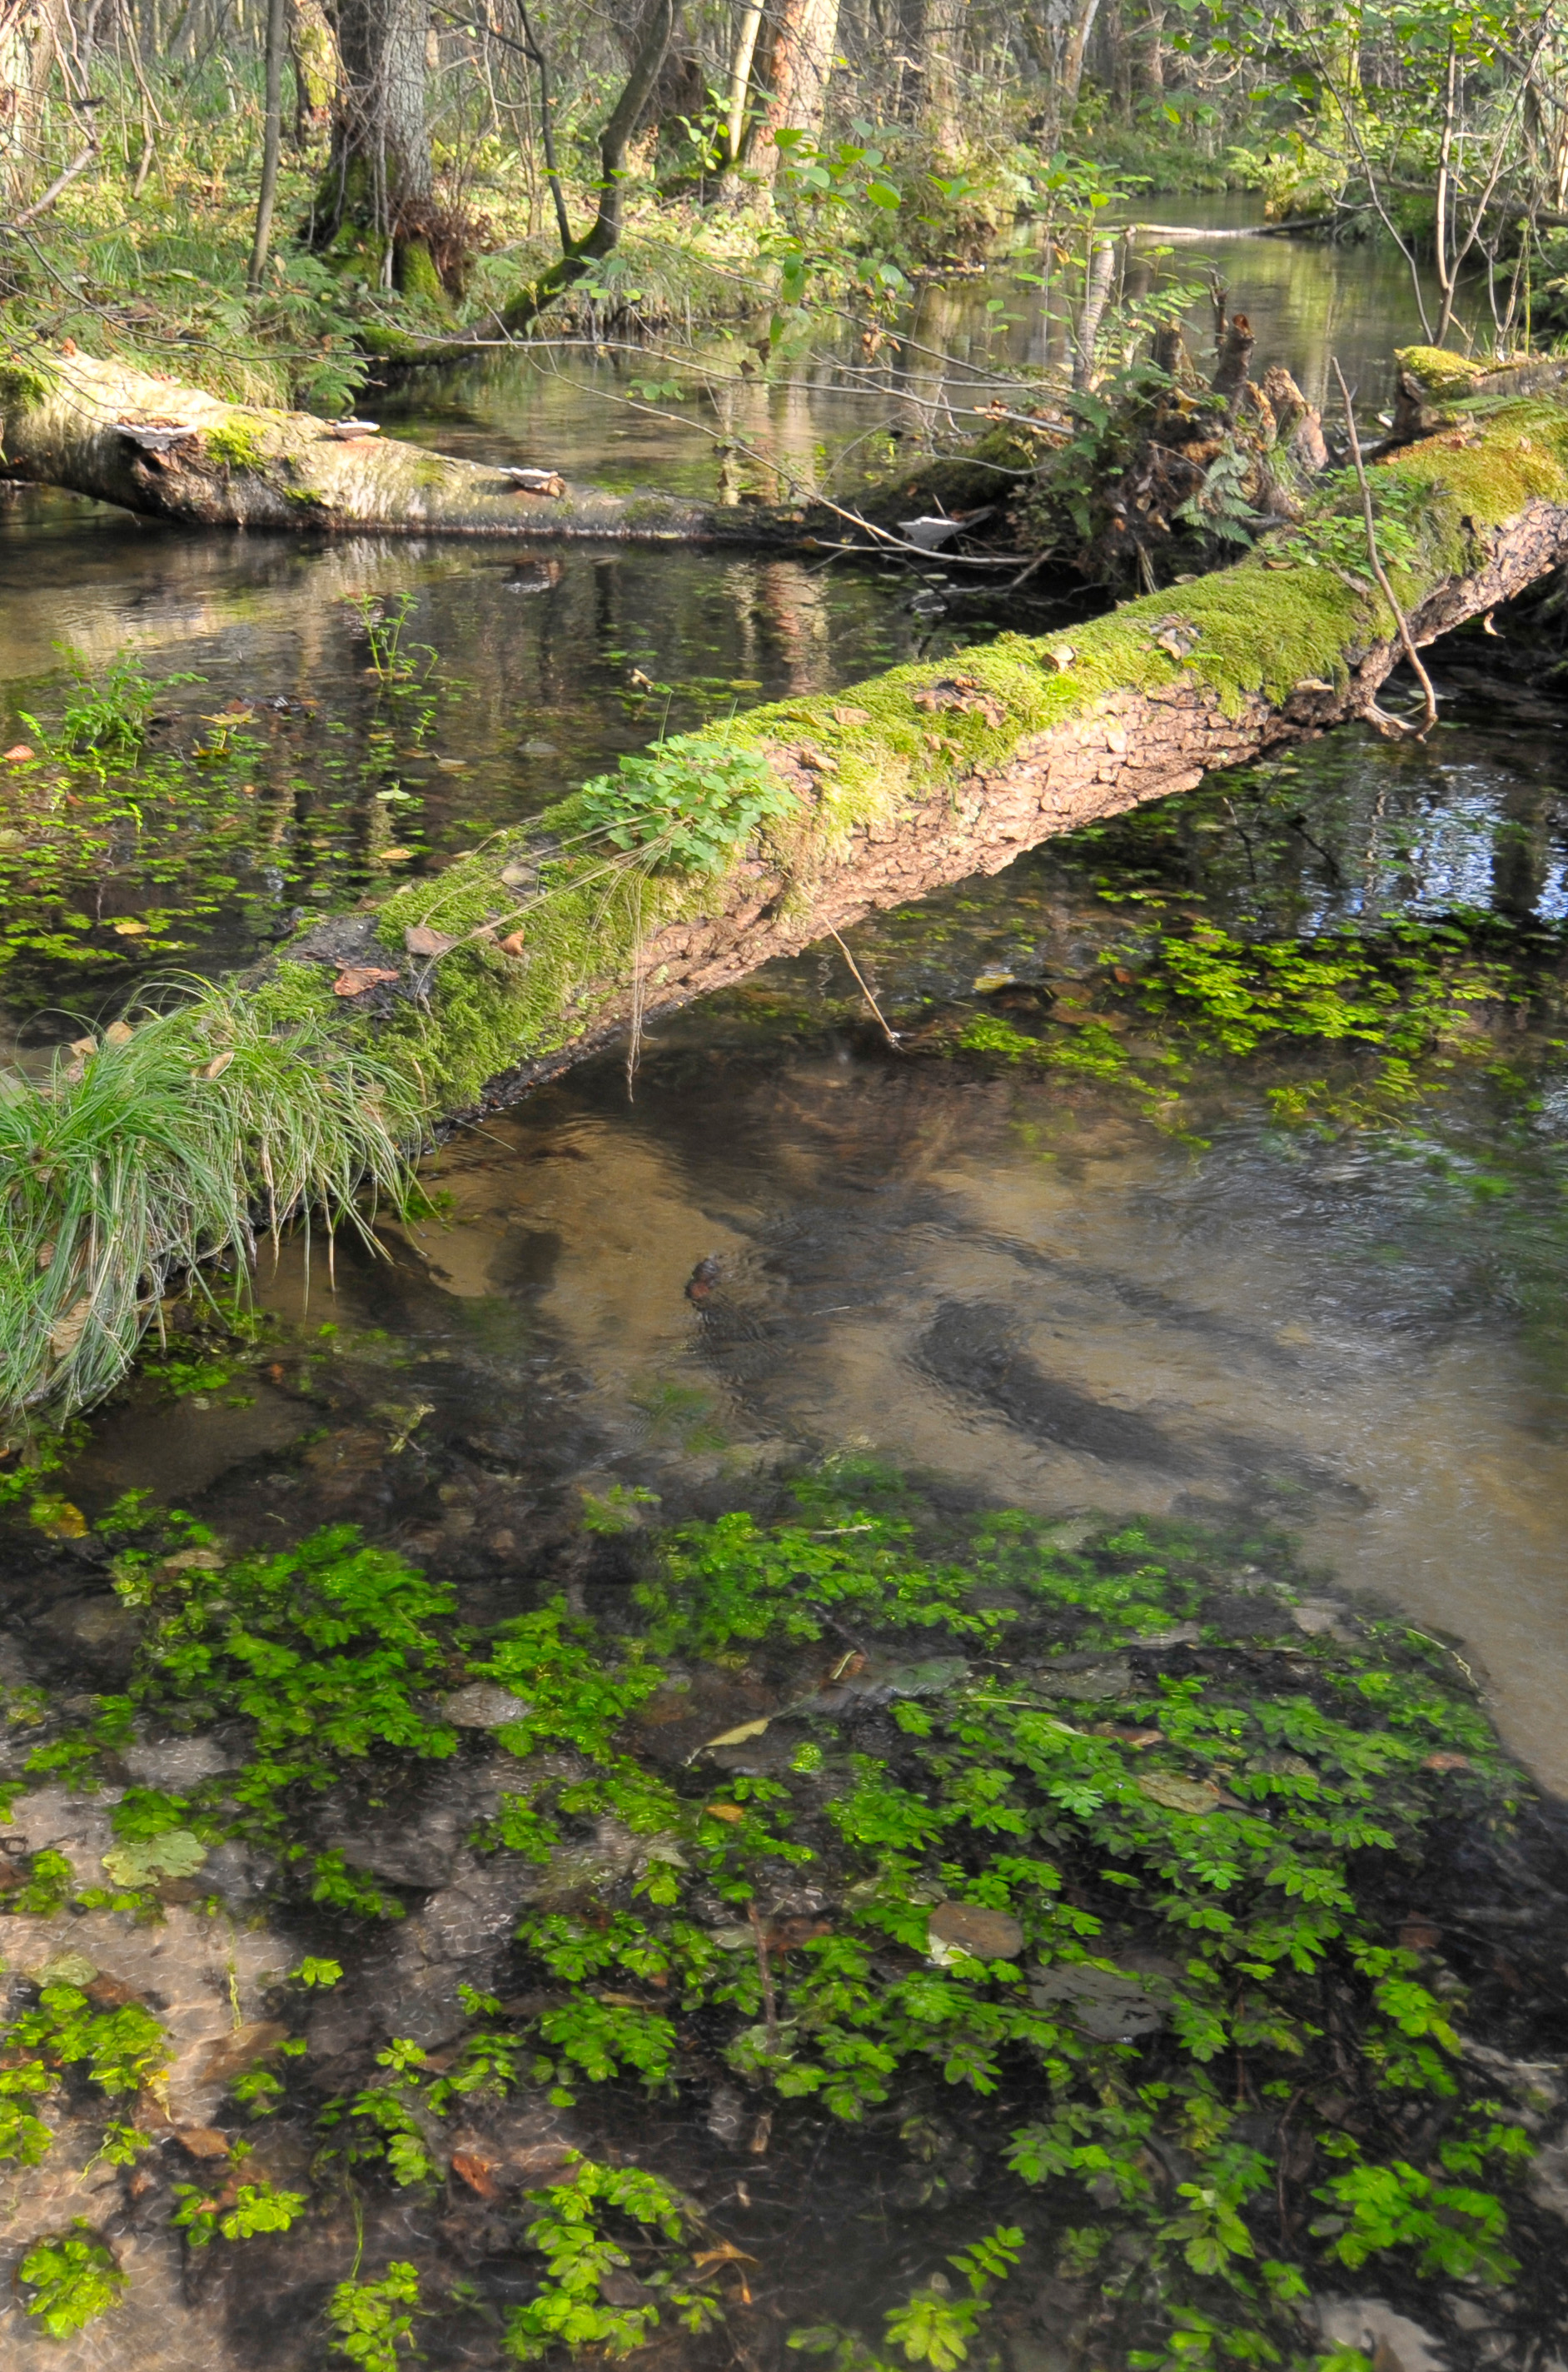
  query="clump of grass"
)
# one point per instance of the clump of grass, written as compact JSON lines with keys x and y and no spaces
{"x":150,"y":1151}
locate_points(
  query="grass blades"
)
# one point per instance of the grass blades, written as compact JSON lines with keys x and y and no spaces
{"x":160,"y":1147}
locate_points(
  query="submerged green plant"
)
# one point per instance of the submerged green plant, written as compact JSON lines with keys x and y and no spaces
{"x":237,"y":2213}
{"x":370,"y":2321}
{"x":73,"y":2277}
{"x":575,"y":2231}
{"x":1406,"y":992}
{"x":1075,"y":1853}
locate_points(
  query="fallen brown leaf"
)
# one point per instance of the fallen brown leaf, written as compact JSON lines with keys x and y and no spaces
{"x":112,"y":1993}
{"x":420,"y":939}
{"x":852,"y":716}
{"x":15,"y":755}
{"x":476,"y":2172}
{"x":231,"y":2054}
{"x":202,"y":2141}
{"x":355,"y":979}
{"x":67,"y":1330}
{"x":1446,"y":1762}
{"x":737,"y":1737}
{"x":815,"y":761}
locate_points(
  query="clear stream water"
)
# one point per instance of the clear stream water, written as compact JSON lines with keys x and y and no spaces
{"x":1361,"y":1337}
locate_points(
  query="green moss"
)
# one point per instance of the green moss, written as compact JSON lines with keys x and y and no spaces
{"x":417,"y":276}
{"x":988,"y":469}
{"x":234,"y":444}
{"x":1439,"y":372}
{"x":22,"y":384}
{"x":648,"y":510}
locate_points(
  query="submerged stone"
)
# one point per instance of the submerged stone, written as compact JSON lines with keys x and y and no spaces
{"x":484,"y":1704}
{"x":959,"y":1927}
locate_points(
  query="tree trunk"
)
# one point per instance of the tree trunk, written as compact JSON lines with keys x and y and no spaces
{"x":1148,"y":52}
{"x":1119,"y":56}
{"x":800,"y":59}
{"x":272,"y":140}
{"x":938,"y":27}
{"x":1072,"y":52}
{"x":604,"y":234}
{"x":29,"y":35}
{"x":1099,"y":274}
{"x":739,"y":94}
{"x":374,"y":202}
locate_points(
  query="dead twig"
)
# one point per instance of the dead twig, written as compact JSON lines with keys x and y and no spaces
{"x":770,"y":2006}
{"x":1376,"y":557}
{"x":891,"y":1034}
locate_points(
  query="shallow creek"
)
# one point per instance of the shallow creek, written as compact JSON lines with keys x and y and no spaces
{"x":789,"y":1237}
{"x":1349,"y":1331}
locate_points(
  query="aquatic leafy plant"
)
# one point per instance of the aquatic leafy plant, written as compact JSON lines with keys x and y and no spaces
{"x":236,"y":2212}
{"x":369,"y":2320}
{"x":327,"y":1650}
{"x":1079,"y":1851}
{"x":1409,"y":990}
{"x":73,"y":2277}
{"x":1169,"y":1890}
{"x":932,"y":2326}
{"x":121,"y":2049}
{"x":575,"y":2232}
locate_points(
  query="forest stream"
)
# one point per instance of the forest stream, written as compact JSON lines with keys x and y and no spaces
{"x":1258,"y":1298}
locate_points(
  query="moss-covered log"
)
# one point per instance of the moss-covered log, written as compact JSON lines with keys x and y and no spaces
{"x":698,"y":863}
{"x":64,"y":420}
{"x":939,"y":770}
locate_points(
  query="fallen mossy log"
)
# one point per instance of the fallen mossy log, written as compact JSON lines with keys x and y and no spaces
{"x":169,"y":451}
{"x":717,"y":851}
{"x":72,"y":421}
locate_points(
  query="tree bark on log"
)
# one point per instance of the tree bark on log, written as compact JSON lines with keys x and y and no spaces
{"x":62,"y":418}
{"x":916,"y":779}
